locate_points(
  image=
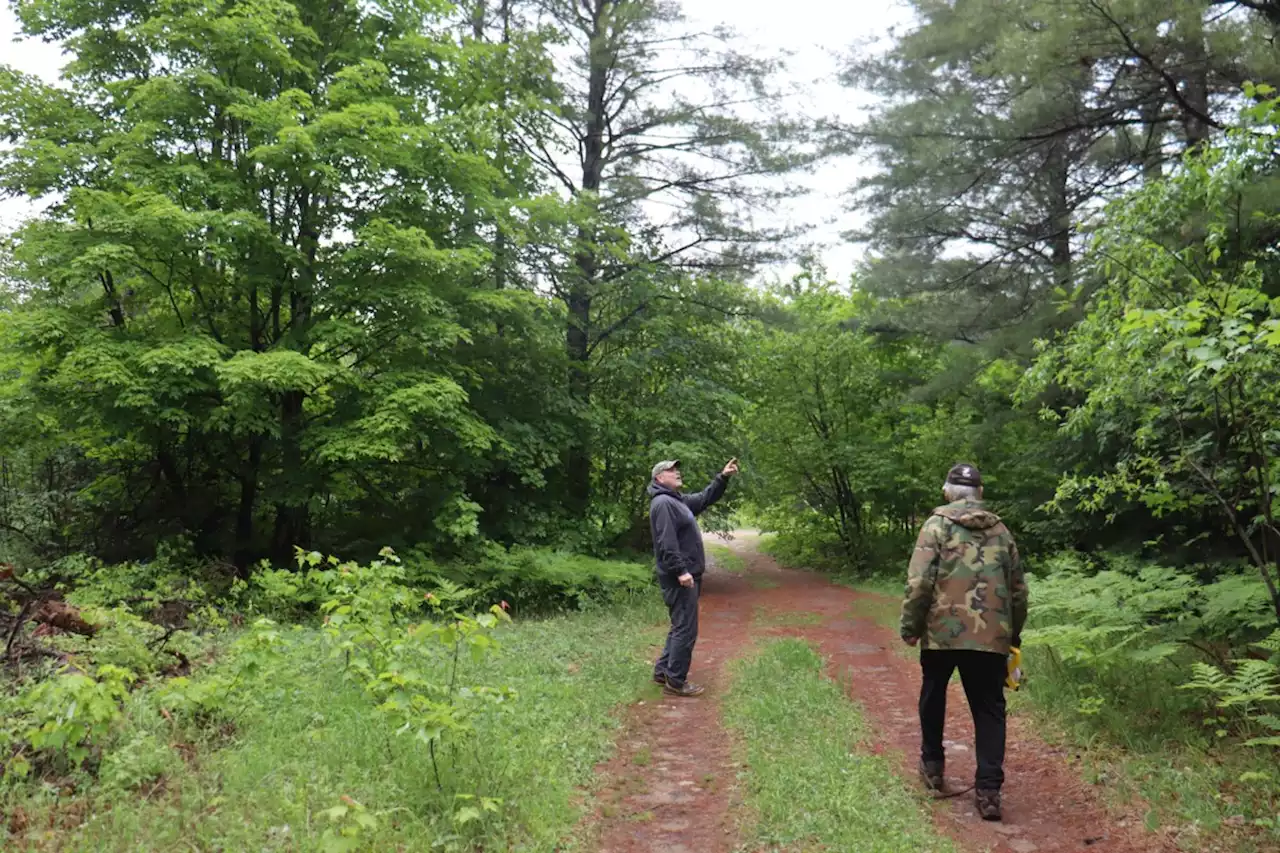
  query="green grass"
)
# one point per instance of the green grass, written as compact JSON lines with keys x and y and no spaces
{"x":810,"y":784}
{"x":723,"y":557}
{"x":312,"y":738}
{"x":880,"y":604}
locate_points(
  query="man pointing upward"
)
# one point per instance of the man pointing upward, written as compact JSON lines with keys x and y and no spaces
{"x":677,"y":548}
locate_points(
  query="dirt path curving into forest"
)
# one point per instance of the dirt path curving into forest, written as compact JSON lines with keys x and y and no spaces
{"x":670,"y":788}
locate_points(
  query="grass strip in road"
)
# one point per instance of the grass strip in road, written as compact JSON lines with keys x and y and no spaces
{"x":809,"y":783}
{"x":724,"y":558}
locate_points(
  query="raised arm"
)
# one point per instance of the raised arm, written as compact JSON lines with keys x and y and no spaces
{"x":712,"y":493}
{"x":699,"y":501}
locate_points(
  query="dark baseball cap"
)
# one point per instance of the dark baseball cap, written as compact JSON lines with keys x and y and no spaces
{"x":964,"y":474}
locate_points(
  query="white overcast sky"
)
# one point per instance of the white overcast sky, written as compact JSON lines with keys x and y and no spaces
{"x":813,"y":32}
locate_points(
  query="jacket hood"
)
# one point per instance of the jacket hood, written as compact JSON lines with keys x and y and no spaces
{"x":655,"y":489}
{"x":970,"y":514}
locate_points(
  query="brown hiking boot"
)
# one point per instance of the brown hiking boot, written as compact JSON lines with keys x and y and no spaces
{"x":687,"y":689}
{"x":988,"y":804}
{"x":931,"y":774}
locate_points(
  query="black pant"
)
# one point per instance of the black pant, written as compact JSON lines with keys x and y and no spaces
{"x":983,"y":675}
{"x":677,"y":654}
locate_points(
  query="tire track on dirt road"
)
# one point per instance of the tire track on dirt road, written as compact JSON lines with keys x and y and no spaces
{"x":671,"y":784}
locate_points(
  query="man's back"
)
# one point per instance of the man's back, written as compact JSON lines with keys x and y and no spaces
{"x":965,"y":586}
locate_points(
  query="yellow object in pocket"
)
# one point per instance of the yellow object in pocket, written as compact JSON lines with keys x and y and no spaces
{"x":1014,"y":679}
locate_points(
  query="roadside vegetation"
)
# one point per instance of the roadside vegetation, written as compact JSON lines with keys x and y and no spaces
{"x":349,"y":709}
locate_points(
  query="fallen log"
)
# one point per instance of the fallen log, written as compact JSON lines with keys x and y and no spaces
{"x":64,"y":617}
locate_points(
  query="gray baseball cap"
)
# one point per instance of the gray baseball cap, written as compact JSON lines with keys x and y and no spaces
{"x":665,"y":466}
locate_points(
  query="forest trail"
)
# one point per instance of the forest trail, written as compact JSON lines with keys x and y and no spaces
{"x":671,"y":787}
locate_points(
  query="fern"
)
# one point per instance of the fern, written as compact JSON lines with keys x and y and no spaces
{"x":1251,"y":691}
{"x":1121,"y":626}
{"x":1209,"y":679}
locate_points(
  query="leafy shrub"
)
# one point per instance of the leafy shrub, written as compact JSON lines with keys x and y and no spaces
{"x":175,"y":575}
{"x":409,"y":668}
{"x":218,"y":692}
{"x":72,"y":712}
{"x":530,"y":580}
{"x":127,"y":640}
{"x":535,"y":580}
{"x":809,"y":546}
{"x":1096,"y":608}
{"x":139,"y":758}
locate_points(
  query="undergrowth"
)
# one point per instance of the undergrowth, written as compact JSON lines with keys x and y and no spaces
{"x":404,"y":718}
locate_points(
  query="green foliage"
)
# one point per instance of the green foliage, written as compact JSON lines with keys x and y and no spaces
{"x":296,"y":716}
{"x":1248,"y":694}
{"x":72,"y":711}
{"x":1124,"y":625}
{"x":1172,"y":368}
{"x":349,"y":822}
{"x":409,"y":670}
{"x":1002,"y":124}
{"x":138,"y":758}
{"x":852,"y":443}
{"x":832,"y":435}
{"x":536,"y":580}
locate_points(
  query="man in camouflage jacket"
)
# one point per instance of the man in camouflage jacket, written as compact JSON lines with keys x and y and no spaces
{"x":965,"y":605}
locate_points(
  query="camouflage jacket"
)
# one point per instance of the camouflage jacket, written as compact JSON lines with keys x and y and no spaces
{"x":965,"y":588}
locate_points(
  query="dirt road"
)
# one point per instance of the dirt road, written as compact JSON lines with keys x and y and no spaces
{"x":671,"y":785}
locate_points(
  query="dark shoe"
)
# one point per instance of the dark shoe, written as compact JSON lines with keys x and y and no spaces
{"x":687,"y":689}
{"x":988,"y":804}
{"x":931,"y":774}
{"x":659,"y":678}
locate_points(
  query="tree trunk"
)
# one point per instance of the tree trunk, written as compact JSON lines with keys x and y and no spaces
{"x":1195,"y":82}
{"x":244,"y":550}
{"x":1060,"y":214}
{"x":292,"y":526}
{"x":578,"y":332}
{"x":1153,"y":131}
